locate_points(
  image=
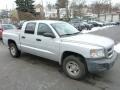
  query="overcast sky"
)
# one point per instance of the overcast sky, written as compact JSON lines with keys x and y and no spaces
{"x":10,"y":4}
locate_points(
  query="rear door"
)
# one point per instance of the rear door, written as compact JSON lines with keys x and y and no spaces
{"x":27,"y":38}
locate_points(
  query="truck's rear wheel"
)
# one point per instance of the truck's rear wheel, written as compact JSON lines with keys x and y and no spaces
{"x":14,"y":50}
{"x":74,"y":68}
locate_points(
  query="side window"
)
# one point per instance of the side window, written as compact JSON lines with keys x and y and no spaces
{"x":43,"y":28}
{"x":30,"y":28}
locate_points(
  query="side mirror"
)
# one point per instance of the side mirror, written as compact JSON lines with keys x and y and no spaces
{"x":1,"y":29}
{"x":19,"y":27}
{"x":49,"y":35}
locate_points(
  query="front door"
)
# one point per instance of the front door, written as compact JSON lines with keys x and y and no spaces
{"x":47,"y":47}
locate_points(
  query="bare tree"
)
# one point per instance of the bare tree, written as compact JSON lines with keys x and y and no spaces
{"x":77,"y":7}
{"x":116,"y":7}
{"x":49,"y":6}
{"x":101,"y":7}
{"x":62,"y":4}
{"x":58,"y":10}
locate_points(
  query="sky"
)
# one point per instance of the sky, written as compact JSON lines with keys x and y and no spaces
{"x":10,"y":4}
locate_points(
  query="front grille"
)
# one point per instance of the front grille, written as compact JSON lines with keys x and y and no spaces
{"x":109,"y":52}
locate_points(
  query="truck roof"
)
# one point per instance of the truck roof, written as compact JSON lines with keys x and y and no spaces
{"x":45,"y":21}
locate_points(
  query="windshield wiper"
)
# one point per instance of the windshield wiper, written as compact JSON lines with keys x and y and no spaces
{"x":76,"y":33}
{"x":70,"y":34}
{"x":66,"y":34}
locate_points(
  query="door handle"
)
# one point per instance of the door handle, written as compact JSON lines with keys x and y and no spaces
{"x":38,"y":40}
{"x":23,"y":37}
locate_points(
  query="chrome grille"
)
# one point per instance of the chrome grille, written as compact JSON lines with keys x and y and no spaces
{"x":110,"y":52}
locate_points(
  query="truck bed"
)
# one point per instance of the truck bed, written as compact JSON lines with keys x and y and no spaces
{"x":11,"y":35}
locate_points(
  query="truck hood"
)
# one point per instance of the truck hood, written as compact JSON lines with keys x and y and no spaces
{"x":90,"y":39}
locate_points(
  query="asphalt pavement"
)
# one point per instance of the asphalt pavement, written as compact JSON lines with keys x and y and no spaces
{"x":34,"y":73}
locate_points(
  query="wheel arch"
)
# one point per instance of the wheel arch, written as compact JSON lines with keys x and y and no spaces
{"x":68,"y":53}
{"x":11,"y":41}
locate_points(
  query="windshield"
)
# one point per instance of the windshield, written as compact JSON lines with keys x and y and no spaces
{"x":8,"y":27}
{"x":84,"y":22}
{"x":64,"y":29}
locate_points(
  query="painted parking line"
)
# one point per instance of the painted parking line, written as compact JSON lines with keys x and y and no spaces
{"x":117,"y":48}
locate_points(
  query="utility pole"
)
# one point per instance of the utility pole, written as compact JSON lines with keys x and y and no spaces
{"x":67,"y":10}
{"x":42,"y":10}
{"x":13,"y":6}
{"x":6,"y":14}
{"x":6,"y":7}
{"x":119,"y":16}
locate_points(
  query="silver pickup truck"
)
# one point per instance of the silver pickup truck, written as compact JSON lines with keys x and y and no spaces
{"x":77,"y":53}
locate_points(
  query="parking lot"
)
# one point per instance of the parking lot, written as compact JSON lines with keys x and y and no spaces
{"x":34,"y":73}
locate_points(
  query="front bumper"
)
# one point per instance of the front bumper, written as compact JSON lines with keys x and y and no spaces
{"x":99,"y":65}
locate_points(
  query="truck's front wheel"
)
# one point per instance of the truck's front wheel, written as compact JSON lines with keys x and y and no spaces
{"x":14,"y":50}
{"x":74,"y":68}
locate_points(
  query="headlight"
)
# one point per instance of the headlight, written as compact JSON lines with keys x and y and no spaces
{"x":97,"y":53}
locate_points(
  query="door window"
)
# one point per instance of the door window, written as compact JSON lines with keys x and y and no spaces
{"x":30,"y":28}
{"x":43,"y":28}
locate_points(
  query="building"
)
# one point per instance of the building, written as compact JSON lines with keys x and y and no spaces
{"x":5,"y":16}
{"x":38,"y":8}
{"x":63,"y":13}
{"x":50,"y":12}
{"x":40,"y":11}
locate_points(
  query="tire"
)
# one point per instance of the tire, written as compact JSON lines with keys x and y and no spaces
{"x":90,"y":28}
{"x":14,"y":50}
{"x":79,"y":66}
